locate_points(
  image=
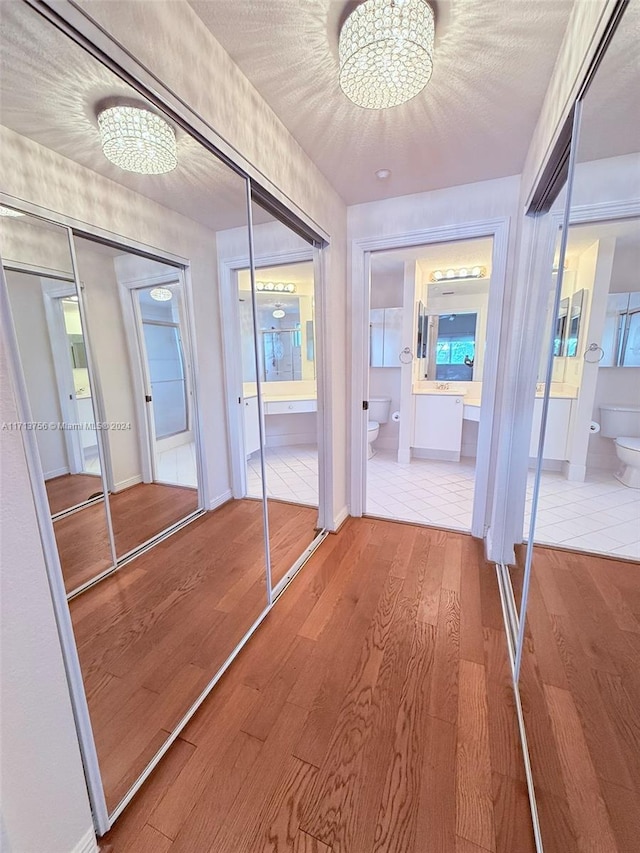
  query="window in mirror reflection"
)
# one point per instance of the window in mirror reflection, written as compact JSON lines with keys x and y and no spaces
{"x":456,"y":346}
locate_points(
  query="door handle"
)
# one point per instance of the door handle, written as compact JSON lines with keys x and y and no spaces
{"x":147,"y":398}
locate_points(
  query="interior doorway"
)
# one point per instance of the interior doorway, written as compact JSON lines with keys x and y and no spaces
{"x":429,"y":362}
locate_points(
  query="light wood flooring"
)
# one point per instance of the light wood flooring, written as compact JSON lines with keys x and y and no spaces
{"x":372,"y":711}
{"x":137,"y":514}
{"x":71,"y":489}
{"x":580,"y":688}
{"x":151,"y":636}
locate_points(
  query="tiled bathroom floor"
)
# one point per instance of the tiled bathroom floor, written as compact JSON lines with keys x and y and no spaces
{"x":599,"y":515}
{"x":292,"y":474}
{"x":178,"y":466}
{"x":425,"y":491}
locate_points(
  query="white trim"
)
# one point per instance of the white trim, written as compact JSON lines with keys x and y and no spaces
{"x":121,"y":485}
{"x":442,"y":455}
{"x":498,"y":230}
{"x":340,"y":517}
{"x":88,"y":843}
{"x":57,"y":472}
{"x":220,"y":499}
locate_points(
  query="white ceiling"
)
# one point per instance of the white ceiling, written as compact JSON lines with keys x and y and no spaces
{"x":492,"y":63}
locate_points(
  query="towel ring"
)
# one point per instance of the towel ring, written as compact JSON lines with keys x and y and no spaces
{"x":406,"y":356}
{"x":594,"y":348}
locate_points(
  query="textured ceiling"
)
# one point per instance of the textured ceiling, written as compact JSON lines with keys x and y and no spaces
{"x":492,"y":64}
{"x":49,"y":89}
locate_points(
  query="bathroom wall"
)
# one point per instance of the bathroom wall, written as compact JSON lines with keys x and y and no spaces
{"x":616,"y":384}
{"x":387,"y":292}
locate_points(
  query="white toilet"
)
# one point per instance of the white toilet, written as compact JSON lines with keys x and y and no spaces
{"x":622,"y":423}
{"x":378,"y":414}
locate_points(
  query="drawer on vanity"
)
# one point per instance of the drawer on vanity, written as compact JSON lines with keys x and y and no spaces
{"x":289,"y":407}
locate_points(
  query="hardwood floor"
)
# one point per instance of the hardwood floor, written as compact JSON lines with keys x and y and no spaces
{"x":372,"y":711}
{"x":153,"y":635}
{"x":290,"y":526}
{"x":71,"y":489}
{"x":137,"y":514}
{"x":580,"y":688}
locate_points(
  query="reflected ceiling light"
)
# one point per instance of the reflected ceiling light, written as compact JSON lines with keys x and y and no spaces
{"x":161,"y":294}
{"x":279,"y":313}
{"x":462,"y":273}
{"x":279,"y":286}
{"x":383,"y":174}
{"x":137,"y":140}
{"x":386,"y":52}
{"x":9,"y":211}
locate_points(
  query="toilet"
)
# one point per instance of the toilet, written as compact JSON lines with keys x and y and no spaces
{"x":378,"y":414}
{"x":622,"y":423}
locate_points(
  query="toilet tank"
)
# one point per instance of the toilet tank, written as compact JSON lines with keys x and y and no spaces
{"x":616,"y":421}
{"x":379,"y":409}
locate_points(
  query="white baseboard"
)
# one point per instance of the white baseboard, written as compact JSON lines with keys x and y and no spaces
{"x":214,"y":503}
{"x":339,"y":519}
{"x":442,"y":455}
{"x":57,"y":472}
{"x":126,"y":484}
{"x":547,"y":464}
{"x":87,"y":844}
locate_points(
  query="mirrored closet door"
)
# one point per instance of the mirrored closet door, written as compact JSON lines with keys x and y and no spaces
{"x":579,"y":644}
{"x":139,"y":257}
{"x":53,"y":347}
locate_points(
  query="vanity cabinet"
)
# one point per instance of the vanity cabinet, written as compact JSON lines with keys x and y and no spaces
{"x":437,"y":426}
{"x":558,"y":420}
{"x":289,"y":407}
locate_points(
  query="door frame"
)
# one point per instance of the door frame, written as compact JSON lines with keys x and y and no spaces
{"x":138,"y":362}
{"x":361,"y":250}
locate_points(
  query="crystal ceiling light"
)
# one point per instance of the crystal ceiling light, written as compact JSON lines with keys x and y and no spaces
{"x":137,"y":140}
{"x":386,"y":52}
{"x":161,"y":294}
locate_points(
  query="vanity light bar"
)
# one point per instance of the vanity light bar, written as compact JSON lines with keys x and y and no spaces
{"x":278,"y":286}
{"x":456,"y":275}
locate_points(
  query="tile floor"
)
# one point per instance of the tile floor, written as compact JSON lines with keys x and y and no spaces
{"x":178,"y":467}
{"x":425,"y":491}
{"x":599,"y":515}
{"x":292,"y":474}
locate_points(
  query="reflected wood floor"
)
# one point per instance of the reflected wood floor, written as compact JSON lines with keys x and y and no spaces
{"x":137,"y":514}
{"x":580,"y":689}
{"x":71,"y":489}
{"x":151,"y":636}
{"x":372,"y":711}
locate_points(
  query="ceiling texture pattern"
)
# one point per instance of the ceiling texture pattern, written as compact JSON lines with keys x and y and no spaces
{"x":493,"y":60}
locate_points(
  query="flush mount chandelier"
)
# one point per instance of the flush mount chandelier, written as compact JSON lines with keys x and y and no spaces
{"x":456,"y":275}
{"x":276,"y":286}
{"x":137,"y":140}
{"x":161,"y":294}
{"x":386,"y":52}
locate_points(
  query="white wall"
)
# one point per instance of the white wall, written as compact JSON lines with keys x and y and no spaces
{"x":44,"y":800}
{"x":30,"y":322}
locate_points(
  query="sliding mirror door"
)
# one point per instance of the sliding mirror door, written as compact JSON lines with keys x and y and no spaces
{"x":579,"y":677}
{"x":155,"y":635}
{"x":52,"y":344}
{"x":137,"y":321}
{"x":284,"y":281}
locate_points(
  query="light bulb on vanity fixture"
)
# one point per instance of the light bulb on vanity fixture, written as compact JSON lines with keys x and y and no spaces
{"x":278,"y":287}
{"x":459,"y":274}
{"x":137,"y":140}
{"x":386,"y":52}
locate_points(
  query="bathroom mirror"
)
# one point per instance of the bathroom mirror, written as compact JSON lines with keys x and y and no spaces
{"x":385,"y":337}
{"x":561,"y":328}
{"x":621,"y":334}
{"x":573,"y":326}
{"x":449,"y":343}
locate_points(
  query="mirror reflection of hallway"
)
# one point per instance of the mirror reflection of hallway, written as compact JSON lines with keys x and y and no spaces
{"x":135,"y":314}
{"x":431,"y":302}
